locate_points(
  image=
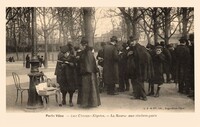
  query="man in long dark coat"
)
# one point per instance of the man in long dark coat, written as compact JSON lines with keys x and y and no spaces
{"x":110,"y":66}
{"x":191,"y":75}
{"x":123,"y":71}
{"x":168,"y":61}
{"x":173,"y":61}
{"x":182,"y":65}
{"x":142,"y":67}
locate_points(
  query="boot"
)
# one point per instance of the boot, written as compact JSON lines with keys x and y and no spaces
{"x":70,"y":99}
{"x":71,"y":104}
{"x":64,"y":98}
{"x":151,"y":91}
{"x":157,"y":92}
{"x":63,"y":102}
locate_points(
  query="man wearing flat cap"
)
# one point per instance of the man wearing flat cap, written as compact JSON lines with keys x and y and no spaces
{"x":110,"y":66}
{"x":182,"y":66}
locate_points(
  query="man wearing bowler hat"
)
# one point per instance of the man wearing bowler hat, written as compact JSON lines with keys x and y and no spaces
{"x":182,"y":66}
{"x":110,"y":66}
{"x":141,"y":67}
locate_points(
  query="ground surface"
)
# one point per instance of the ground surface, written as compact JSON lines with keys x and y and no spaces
{"x":169,"y":101}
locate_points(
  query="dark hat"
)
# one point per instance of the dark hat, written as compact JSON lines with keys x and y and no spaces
{"x":162,"y":43}
{"x":182,"y":40}
{"x":69,"y":44}
{"x":128,"y":42}
{"x":148,"y":45}
{"x":76,"y":48}
{"x":124,"y":44}
{"x":170,"y":45}
{"x":159,"y":47}
{"x":64,"y":48}
{"x":133,"y":38}
{"x":113,"y":38}
{"x":191,"y":37}
{"x":84,"y":41}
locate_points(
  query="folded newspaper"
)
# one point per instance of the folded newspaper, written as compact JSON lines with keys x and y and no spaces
{"x":43,"y":89}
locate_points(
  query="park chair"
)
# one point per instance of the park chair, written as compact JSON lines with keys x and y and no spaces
{"x":18,"y":86}
{"x":47,"y":88}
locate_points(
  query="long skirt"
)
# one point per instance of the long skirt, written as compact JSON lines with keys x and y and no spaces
{"x":89,"y":91}
{"x":27,"y":64}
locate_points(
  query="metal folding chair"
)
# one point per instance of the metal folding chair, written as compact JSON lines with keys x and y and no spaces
{"x":18,"y":86}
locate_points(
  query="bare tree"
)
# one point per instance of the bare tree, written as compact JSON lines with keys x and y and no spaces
{"x":131,"y":15}
{"x":70,"y":23}
{"x":150,"y":22}
{"x":187,"y":14}
{"x":118,"y":23}
{"x":17,"y":27}
{"x":47,"y":24}
{"x":166,"y":18}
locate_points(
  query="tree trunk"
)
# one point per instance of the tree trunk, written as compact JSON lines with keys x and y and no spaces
{"x":179,"y":20}
{"x":60,"y":32}
{"x":184,"y":22}
{"x":46,"y":53}
{"x":82,"y":22}
{"x":19,"y":41}
{"x":167,"y":25}
{"x":29,"y":28}
{"x":128,"y":25}
{"x":155,"y":25}
{"x":64,"y":36}
{"x":71,"y":25}
{"x":15,"y":41}
{"x":87,"y":18}
{"x":45,"y":40}
{"x":134,"y":23}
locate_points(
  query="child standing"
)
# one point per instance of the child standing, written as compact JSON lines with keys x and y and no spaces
{"x":158,"y":59}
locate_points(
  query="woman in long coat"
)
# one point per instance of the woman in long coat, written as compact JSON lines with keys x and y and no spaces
{"x":89,"y":90}
{"x":27,"y":61}
{"x":65,"y":72}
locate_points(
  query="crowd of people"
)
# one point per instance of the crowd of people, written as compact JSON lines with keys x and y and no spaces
{"x":155,"y":64}
{"x":78,"y":69}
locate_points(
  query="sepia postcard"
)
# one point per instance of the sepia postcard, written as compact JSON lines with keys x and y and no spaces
{"x":99,"y":63}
